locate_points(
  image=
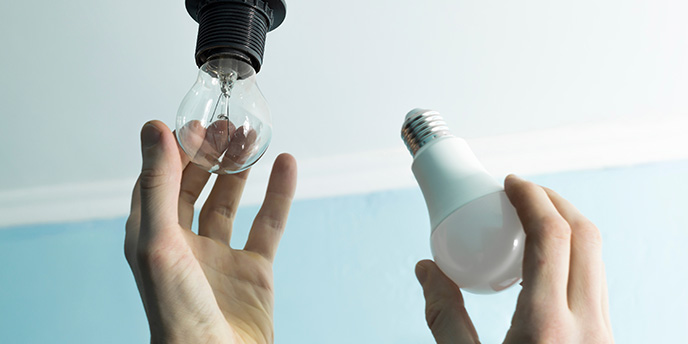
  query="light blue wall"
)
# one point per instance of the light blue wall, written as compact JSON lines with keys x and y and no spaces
{"x":344,"y":271}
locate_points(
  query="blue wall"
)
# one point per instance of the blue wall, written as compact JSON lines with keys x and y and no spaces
{"x":344,"y":271}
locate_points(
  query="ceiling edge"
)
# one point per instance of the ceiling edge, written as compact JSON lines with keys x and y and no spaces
{"x":578,"y":147}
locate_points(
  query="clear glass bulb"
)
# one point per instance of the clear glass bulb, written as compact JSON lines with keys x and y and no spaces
{"x":476,"y":237}
{"x":223,"y":123}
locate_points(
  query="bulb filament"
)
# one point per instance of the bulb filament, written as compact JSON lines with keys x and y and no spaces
{"x":226,"y":85}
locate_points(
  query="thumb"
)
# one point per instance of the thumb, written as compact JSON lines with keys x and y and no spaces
{"x":444,"y":307}
{"x":159,"y":180}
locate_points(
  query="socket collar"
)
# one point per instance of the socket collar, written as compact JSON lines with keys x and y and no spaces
{"x":236,"y":28}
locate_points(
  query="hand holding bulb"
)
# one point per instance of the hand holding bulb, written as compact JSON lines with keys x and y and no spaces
{"x":195,"y":287}
{"x":476,"y":238}
{"x":564,"y":297}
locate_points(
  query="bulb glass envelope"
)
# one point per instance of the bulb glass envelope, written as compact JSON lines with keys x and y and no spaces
{"x":223,"y":123}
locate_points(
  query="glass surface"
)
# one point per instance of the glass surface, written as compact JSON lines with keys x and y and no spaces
{"x":223,"y":123}
{"x":480,"y":245}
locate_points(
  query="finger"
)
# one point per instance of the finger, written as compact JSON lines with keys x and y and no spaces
{"x":218,"y":213}
{"x":192,"y":134}
{"x":271,"y":220}
{"x":215,"y":142}
{"x":132,"y":226}
{"x":605,"y":300}
{"x":132,"y":237}
{"x":444,"y":307}
{"x":134,"y":221}
{"x":219,"y":210}
{"x":548,"y":241}
{"x":159,"y":180}
{"x":194,"y":179}
{"x":585,"y":270}
{"x":241,"y":147}
{"x":205,"y":146}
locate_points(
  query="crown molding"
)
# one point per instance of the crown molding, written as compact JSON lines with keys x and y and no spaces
{"x":586,"y":146}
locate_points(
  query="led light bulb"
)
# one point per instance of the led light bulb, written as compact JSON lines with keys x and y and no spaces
{"x":223,"y":123}
{"x":476,"y":237}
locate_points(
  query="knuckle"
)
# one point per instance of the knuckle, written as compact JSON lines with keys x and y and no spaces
{"x":537,"y":321}
{"x":597,"y":334}
{"x":188,"y":196}
{"x":272,"y":222}
{"x":129,"y":253}
{"x":553,"y":228}
{"x":142,"y":254}
{"x":226,"y":210}
{"x":161,"y":255}
{"x":130,"y":239}
{"x":432,"y":314}
{"x":554,"y":331}
{"x":150,"y":259}
{"x":132,"y":223}
{"x":435,"y":313}
{"x":148,"y":256}
{"x":542,"y":332}
{"x":152,"y":177}
{"x":588,"y":233}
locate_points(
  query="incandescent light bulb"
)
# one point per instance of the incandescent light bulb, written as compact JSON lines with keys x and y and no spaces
{"x":223,"y":123}
{"x":476,"y":237}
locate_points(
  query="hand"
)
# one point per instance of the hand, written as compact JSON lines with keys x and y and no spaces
{"x":564,"y":295}
{"x":195,"y":288}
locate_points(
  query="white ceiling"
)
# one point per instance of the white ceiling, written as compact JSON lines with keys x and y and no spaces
{"x":80,"y":77}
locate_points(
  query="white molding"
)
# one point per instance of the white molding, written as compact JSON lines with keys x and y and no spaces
{"x":577,"y":147}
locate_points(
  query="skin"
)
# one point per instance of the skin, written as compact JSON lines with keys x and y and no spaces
{"x":196,"y":288}
{"x":564,"y":296}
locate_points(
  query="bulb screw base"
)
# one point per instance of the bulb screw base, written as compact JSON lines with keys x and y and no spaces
{"x":234,"y":28}
{"x":422,"y":127}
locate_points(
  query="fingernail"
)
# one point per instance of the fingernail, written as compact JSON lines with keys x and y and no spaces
{"x":516,"y":177}
{"x":150,"y":135}
{"x":421,"y":274}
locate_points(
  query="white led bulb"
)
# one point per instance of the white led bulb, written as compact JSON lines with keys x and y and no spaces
{"x":477,"y":239}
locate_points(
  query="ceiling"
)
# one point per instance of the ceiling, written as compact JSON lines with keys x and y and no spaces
{"x":80,"y":77}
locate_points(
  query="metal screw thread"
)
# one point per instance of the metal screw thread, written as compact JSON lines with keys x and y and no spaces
{"x":422,"y":127}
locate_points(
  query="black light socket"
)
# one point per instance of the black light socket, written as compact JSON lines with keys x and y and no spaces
{"x":235,"y":27}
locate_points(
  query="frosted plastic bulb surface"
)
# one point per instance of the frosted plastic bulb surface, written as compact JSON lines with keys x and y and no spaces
{"x":223,"y":123}
{"x":480,"y":245}
{"x":476,"y":237}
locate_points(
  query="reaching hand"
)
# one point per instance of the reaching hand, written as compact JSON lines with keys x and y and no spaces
{"x":195,"y":287}
{"x":564,"y":295}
